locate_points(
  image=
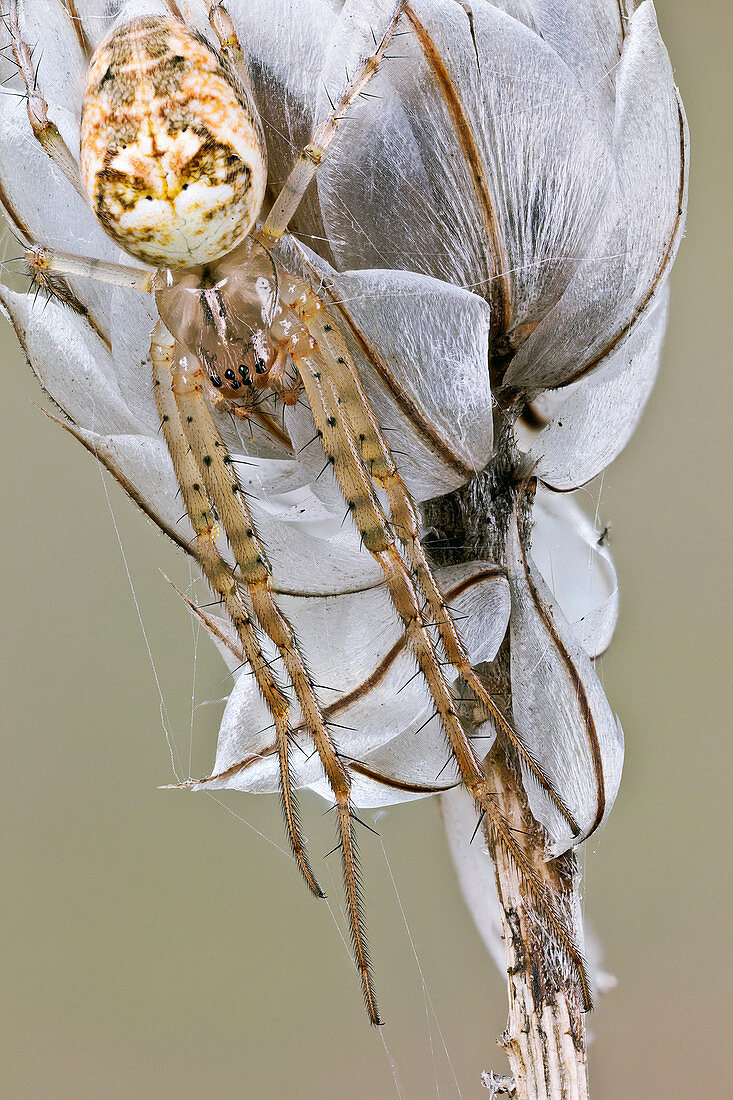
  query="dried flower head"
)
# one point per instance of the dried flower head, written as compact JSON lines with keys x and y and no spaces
{"x":477,"y":269}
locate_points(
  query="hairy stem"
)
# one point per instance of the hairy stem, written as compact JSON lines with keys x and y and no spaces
{"x":545,"y":1039}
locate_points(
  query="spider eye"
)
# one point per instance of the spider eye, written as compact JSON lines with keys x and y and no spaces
{"x":260,"y":366}
{"x":216,"y":380}
{"x":243,"y":370}
{"x":230,"y":375}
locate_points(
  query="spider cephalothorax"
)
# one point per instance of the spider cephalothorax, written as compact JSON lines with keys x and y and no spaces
{"x":173,"y":163}
{"x":226,"y":314}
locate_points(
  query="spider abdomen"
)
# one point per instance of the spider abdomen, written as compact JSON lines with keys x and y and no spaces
{"x":172,"y":152}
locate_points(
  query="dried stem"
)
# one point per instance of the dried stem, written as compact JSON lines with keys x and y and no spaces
{"x":545,"y":1035}
{"x":544,"y":1040}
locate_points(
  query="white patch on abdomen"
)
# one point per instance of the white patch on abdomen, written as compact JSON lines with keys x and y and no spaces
{"x":190,"y":227}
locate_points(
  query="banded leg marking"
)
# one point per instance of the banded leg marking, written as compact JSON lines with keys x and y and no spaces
{"x":375,"y":451}
{"x":343,"y":451}
{"x":216,"y":471}
{"x":221,"y":579}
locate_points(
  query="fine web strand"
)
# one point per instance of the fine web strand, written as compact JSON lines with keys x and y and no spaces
{"x":176,"y":767}
{"x":195,"y":635}
{"x":239,"y":817}
{"x":391,"y":1062}
{"x":165,"y":720}
{"x":596,"y":517}
{"x":426,"y":1004}
{"x":164,"y":717}
{"x":426,"y":992}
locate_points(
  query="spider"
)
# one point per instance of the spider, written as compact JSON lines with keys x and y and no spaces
{"x":173,"y":163}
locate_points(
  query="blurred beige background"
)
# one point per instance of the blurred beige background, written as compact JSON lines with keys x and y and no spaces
{"x":154,"y":945}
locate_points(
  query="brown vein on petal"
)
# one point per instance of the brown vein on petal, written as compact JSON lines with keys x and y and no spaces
{"x":380,"y":367}
{"x":356,"y":693}
{"x":6,"y":312}
{"x":59,"y":288}
{"x":398,"y":784}
{"x":13,"y":216}
{"x":400,"y":395}
{"x":174,"y":10}
{"x":495,"y":571}
{"x":279,"y":591}
{"x":21,"y":340}
{"x":501,"y":291}
{"x":79,"y":30}
{"x":582,"y":697}
{"x":128,"y":486}
{"x":621,"y":18}
{"x":209,"y":622}
{"x":662,"y":267}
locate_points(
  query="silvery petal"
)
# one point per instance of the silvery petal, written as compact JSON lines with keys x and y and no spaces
{"x":72,"y":362}
{"x":246,"y":755}
{"x":478,"y":593}
{"x":418,"y":762}
{"x":309,"y":552}
{"x":475,"y":869}
{"x":559,"y":707}
{"x":587,"y":34}
{"x":479,"y":160}
{"x":595,"y":418}
{"x":375,"y":669}
{"x":410,"y":766}
{"x":44,"y":206}
{"x":48,"y":31}
{"x":284,"y":42}
{"x":355,"y":642}
{"x":578,"y":569}
{"x":421,"y":349}
{"x":142,"y":466}
{"x":133,"y":317}
{"x":639,"y":233}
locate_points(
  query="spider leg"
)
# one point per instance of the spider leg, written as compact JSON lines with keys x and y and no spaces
{"x":288,"y":392}
{"x":343,"y":451}
{"x":308,"y":161}
{"x":221,"y":23}
{"x":382,"y":469}
{"x":223,"y":582}
{"x":45,"y":131}
{"x":215,"y":470}
{"x":47,"y":263}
